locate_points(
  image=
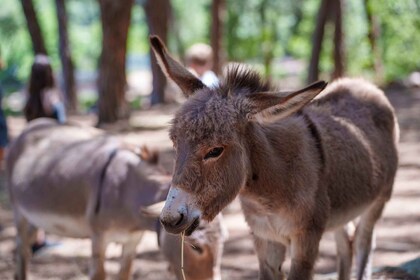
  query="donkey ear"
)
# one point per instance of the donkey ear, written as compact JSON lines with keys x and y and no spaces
{"x":173,"y":69}
{"x":268,"y":107}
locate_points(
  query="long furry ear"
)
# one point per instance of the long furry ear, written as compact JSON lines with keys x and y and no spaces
{"x":173,"y":69}
{"x":268,"y":107}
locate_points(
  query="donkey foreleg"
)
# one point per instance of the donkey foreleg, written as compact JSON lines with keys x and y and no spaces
{"x":304,"y":251}
{"x":365,"y":241}
{"x":97,"y":270}
{"x":343,"y":240}
{"x":271,"y":256}
{"x":128,"y":254}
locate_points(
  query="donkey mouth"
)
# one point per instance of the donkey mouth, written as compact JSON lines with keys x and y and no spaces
{"x":192,"y":227}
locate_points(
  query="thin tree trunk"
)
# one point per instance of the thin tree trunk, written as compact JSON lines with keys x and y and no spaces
{"x":339,"y":58}
{"x":65,"y":56}
{"x":268,"y":37}
{"x":374,"y":33}
{"x":34,"y":28}
{"x":115,"y":16}
{"x":317,"y":38}
{"x":217,"y":15}
{"x":158,"y":13}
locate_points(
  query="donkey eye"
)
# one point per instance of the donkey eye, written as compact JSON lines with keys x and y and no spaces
{"x":215,"y":152}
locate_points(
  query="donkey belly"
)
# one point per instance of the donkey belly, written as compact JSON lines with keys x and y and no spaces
{"x":75,"y":226}
{"x":339,"y":218}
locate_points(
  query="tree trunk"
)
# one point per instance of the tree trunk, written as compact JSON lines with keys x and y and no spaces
{"x":115,"y":18}
{"x":217,"y":17}
{"x":339,"y":58}
{"x":34,"y":28}
{"x":374,"y":32}
{"x":158,"y":13}
{"x":318,"y":36}
{"x":268,"y":37}
{"x":65,"y":56}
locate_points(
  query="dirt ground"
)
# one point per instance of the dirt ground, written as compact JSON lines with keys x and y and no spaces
{"x":398,"y":232}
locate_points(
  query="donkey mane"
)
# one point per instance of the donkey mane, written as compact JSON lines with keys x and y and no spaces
{"x":241,"y":79}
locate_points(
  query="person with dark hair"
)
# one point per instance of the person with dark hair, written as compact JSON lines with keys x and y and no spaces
{"x":44,"y":99}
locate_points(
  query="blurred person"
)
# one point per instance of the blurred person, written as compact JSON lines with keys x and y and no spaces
{"x":3,"y":124}
{"x":44,"y":98}
{"x":199,"y":60}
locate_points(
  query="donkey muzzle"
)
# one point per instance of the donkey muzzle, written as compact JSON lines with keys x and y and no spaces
{"x":178,"y":215}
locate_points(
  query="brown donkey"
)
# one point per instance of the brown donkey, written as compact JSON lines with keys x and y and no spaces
{"x":299,"y":167}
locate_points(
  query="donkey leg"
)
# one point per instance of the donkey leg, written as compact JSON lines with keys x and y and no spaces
{"x":22,"y":246}
{"x":128,"y":254}
{"x":304,"y":251}
{"x":271,"y":256}
{"x":364,"y":239}
{"x":97,"y":270}
{"x":343,"y":240}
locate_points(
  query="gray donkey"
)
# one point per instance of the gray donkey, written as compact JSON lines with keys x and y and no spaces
{"x":78,"y":182}
{"x":300,"y":166}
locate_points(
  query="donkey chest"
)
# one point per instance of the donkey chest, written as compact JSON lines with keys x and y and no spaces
{"x":271,"y":228}
{"x":267,"y":225}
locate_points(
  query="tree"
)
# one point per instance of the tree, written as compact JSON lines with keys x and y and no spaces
{"x":337,"y":19}
{"x":115,"y":18}
{"x":318,"y":36}
{"x":329,"y":10}
{"x":217,"y":11}
{"x":65,"y":56}
{"x":158,"y":14}
{"x":34,"y":28}
{"x":268,"y":35}
{"x":374,"y":32}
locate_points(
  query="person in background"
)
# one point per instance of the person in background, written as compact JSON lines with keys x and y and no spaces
{"x":199,"y":60}
{"x":44,"y":99}
{"x":4,"y":139}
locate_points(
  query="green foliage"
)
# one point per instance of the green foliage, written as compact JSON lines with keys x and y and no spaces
{"x":85,"y":33}
{"x":262,"y":30}
{"x":16,"y":48}
{"x":400,"y":41}
{"x":256,"y":31}
{"x":191,"y":24}
{"x":138,"y":33}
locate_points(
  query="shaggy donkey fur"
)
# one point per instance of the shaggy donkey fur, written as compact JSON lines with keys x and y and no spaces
{"x":300,"y":166}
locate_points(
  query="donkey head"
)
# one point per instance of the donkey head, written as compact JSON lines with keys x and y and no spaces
{"x":209,"y":134}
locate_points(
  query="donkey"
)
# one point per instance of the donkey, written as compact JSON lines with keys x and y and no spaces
{"x":300,"y":166}
{"x":78,"y":182}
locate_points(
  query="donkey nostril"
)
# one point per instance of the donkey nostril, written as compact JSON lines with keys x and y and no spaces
{"x":180,"y":220}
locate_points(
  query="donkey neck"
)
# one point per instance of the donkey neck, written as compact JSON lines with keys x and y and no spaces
{"x":283,"y":159}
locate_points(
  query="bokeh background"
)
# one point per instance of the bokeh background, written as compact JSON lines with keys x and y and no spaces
{"x":101,"y":59}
